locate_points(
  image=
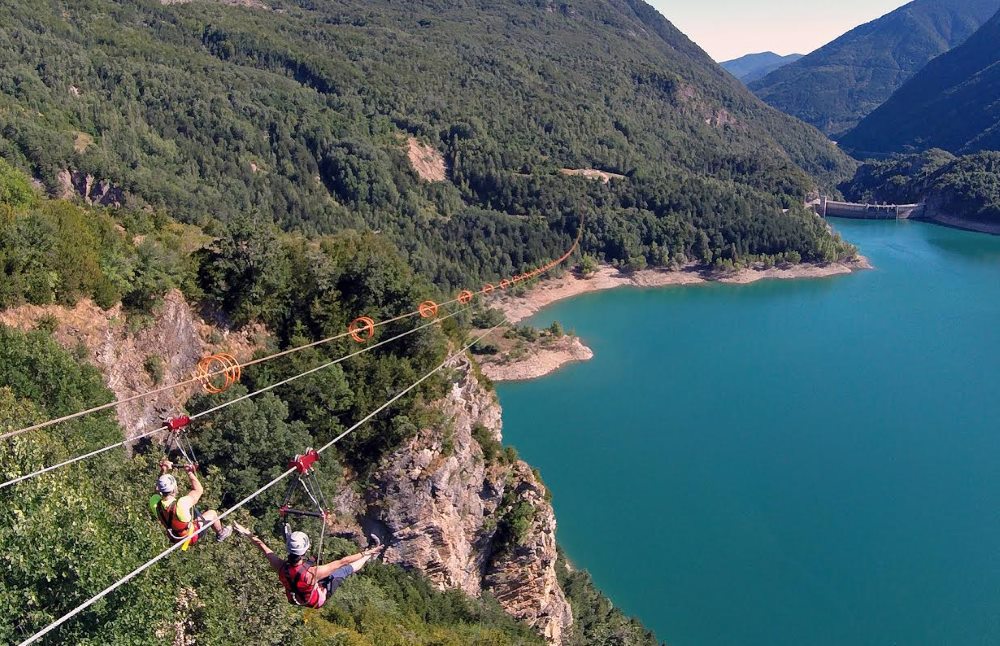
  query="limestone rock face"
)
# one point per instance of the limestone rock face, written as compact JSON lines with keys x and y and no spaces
{"x":75,"y":183}
{"x":176,"y":337}
{"x":438,"y":503}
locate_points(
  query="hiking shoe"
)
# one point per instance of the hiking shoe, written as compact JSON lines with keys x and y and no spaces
{"x":224,"y":534}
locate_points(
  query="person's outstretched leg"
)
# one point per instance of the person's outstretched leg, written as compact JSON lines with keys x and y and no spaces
{"x":221,"y":532}
{"x":332,"y":582}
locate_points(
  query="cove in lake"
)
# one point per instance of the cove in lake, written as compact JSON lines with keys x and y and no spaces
{"x":788,"y":462}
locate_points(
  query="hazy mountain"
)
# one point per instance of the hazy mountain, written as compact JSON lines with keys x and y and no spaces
{"x":834,"y":87}
{"x":751,"y":67}
{"x":953,"y":103}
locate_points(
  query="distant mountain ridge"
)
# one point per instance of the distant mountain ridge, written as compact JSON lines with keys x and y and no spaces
{"x":836,"y":86}
{"x":751,"y":67}
{"x":953,"y":103}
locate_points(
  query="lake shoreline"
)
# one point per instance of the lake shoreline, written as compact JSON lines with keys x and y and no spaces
{"x":965,"y":224}
{"x":542,"y":360}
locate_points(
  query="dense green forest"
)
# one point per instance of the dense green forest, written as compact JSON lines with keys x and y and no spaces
{"x":951,"y":104}
{"x":299,"y":114}
{"x":834,"y":87}
{"x":68,"y":534}
{"x":965,"y":187}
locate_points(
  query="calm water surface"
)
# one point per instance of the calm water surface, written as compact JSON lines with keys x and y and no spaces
{"x":790,"y":462}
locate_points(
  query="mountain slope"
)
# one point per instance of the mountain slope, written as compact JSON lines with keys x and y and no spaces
{"x":751,"y":67}
{"x":835,"y":86}
{"x":953,"y":103}
{"x":485,"y":523}
{"x":304,"y":114}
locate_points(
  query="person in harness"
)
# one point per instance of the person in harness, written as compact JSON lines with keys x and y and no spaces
{"x":307,"y":583}
{"x":178,"y":515}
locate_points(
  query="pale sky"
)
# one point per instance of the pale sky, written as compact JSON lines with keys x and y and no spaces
{"x":728,"y":29}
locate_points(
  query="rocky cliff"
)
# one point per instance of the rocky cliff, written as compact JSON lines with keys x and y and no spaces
{"x":441,"y":504}
{"x":138,"y":354}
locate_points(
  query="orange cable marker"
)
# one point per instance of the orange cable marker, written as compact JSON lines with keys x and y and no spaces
{"x":362,"y":328}
{"x":218,"y":365}
{"x":428,"y":309}
{"x":487,"y":288}
{"x":504,"y":284}
{"x":465,"y":297}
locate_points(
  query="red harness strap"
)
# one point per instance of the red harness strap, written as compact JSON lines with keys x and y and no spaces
{"x":300,"y":589}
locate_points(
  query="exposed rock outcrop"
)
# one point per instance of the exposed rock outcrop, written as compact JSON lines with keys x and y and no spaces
{"x":539,"y":360}
{"x":439,"y":503}
{"x":592,"y":173}
{"x":426,"y":161}
{"x":175,"y":336}
{"x":74,"y":183}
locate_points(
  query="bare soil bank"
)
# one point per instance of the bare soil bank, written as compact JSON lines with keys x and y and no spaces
{"x":518,"y":308}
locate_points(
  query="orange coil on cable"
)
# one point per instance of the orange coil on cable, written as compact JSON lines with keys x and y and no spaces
{"x":487,"y":288}
{"x":217,"y":372}
{"x":465,"y":297}
{"x":362,"y":329}
{"x":428,"y":309}
{"x":504,"y":284}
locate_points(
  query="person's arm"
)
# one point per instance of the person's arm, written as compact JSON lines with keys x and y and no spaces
{"x":272,"y":559}
{"x":166,"y":466}
{"x":197,"y":491}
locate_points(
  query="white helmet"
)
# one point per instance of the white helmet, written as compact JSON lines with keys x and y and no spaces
{"x":166,"y":484}
{"x":297,"y":543}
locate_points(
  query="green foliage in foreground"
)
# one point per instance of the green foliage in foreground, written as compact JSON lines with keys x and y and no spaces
{"x":385,"y":606}
{"x":15,"y":189}
{"x":56,"y":252}
{"x":965,"y":187}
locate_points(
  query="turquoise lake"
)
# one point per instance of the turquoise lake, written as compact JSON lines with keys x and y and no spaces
{"x":802,"y":462}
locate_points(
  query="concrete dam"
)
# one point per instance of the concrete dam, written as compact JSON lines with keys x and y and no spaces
{"x":827,"y":207}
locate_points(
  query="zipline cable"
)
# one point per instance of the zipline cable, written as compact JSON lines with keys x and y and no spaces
{"x":142,"y":568}
{"x":232,"y":401}
{"x":193,"y":380}
{"x":464,"y":297}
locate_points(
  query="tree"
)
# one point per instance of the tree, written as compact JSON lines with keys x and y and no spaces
{"x":588,"y":265}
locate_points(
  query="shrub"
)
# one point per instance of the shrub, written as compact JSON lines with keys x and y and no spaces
{"x":155,"y":368}
{"x":15,"y":189}
{"x":485,"y":348}
{"x":487,"y":442}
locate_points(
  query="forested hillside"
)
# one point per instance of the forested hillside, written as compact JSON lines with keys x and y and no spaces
{"x":834,"y":87}
{"x":965,"y":187}
{"x":300,"y":112}
{"x":68,"y":534}
{"x":953,"y":103}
